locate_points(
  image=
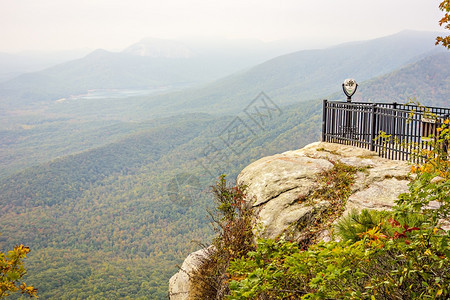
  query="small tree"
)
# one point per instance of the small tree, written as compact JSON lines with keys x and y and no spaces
{"x":12,"y":271}
{"x":231,"y":220}
{"x":445,"y":41}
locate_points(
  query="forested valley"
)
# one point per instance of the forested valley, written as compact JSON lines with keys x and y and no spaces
{"x":112,"y":194}
{"x":103,"y":222}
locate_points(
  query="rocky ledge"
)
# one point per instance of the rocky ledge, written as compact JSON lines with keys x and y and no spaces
{"x":276,"y":183}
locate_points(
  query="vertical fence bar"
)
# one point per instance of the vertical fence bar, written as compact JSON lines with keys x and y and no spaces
{"x":324,"y":120}
{"x":333,"y":124}
{"x":384,"y":128}
{"x":372,"y":131}
{"x":394,"y":131}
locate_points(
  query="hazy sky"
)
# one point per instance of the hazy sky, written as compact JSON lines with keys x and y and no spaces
{"x":115,"y":24}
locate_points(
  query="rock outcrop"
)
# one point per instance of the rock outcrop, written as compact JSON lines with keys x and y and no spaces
{"x":276,"y":183}
{"x":179,"y":283}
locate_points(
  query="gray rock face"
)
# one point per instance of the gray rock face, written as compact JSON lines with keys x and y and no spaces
{"x":272,"y":176}
{"x":380,"y":195}
{"x":276,"y":183}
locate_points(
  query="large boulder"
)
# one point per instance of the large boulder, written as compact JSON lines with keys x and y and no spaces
{"x":276,"y":183}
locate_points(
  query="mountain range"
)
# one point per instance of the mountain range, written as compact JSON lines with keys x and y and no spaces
{"x":304,"y":75}
{"x":298,"y":76}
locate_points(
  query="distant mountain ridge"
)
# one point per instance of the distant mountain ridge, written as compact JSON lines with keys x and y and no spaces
{"x":298,"y":76}
{"x":12,"y":65}
{"x":304,"y":75}
{"x":100,"y":69}
{"x":150,"y":63}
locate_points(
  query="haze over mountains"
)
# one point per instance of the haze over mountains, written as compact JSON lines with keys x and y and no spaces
{"x":87,"y":182}
{"x":149,"y":64}
{"x":305,"y":75}
{"x":156,"y":64}
{"x":151,"y":47}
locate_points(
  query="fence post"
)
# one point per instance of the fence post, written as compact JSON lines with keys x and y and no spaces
{"x":373,"y":130}
{"x":324,"y":120}
{"x":394,"y":119}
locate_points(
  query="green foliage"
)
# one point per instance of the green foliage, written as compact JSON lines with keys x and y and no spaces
{"x":432,"y":182}
{"x":354,"y":225}
{"x":412,"y":263}
{"x":261,"y":274}
{"x":12,"y":271}
{"x":335,"y":186}
{"x":445,"y":40}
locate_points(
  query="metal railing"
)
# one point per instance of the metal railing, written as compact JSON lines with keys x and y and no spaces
{"x":395,"y":131}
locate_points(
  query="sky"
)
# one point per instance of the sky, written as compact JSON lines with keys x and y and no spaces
{"x":113,"y":25}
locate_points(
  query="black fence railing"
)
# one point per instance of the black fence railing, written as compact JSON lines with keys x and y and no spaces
{"x":393,"y":130}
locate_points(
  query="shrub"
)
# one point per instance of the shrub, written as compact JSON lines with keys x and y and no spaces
{"x":409,"y":263}
{"x":234,"y":239}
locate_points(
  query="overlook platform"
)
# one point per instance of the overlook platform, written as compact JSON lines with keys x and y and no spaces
{"x":395,"y":131}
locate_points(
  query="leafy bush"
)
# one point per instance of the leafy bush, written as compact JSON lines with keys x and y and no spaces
{"x":412,"y":264}
{"x":353,"y":226}
{"x":12,"y":271}
{"x":432,"y":184}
